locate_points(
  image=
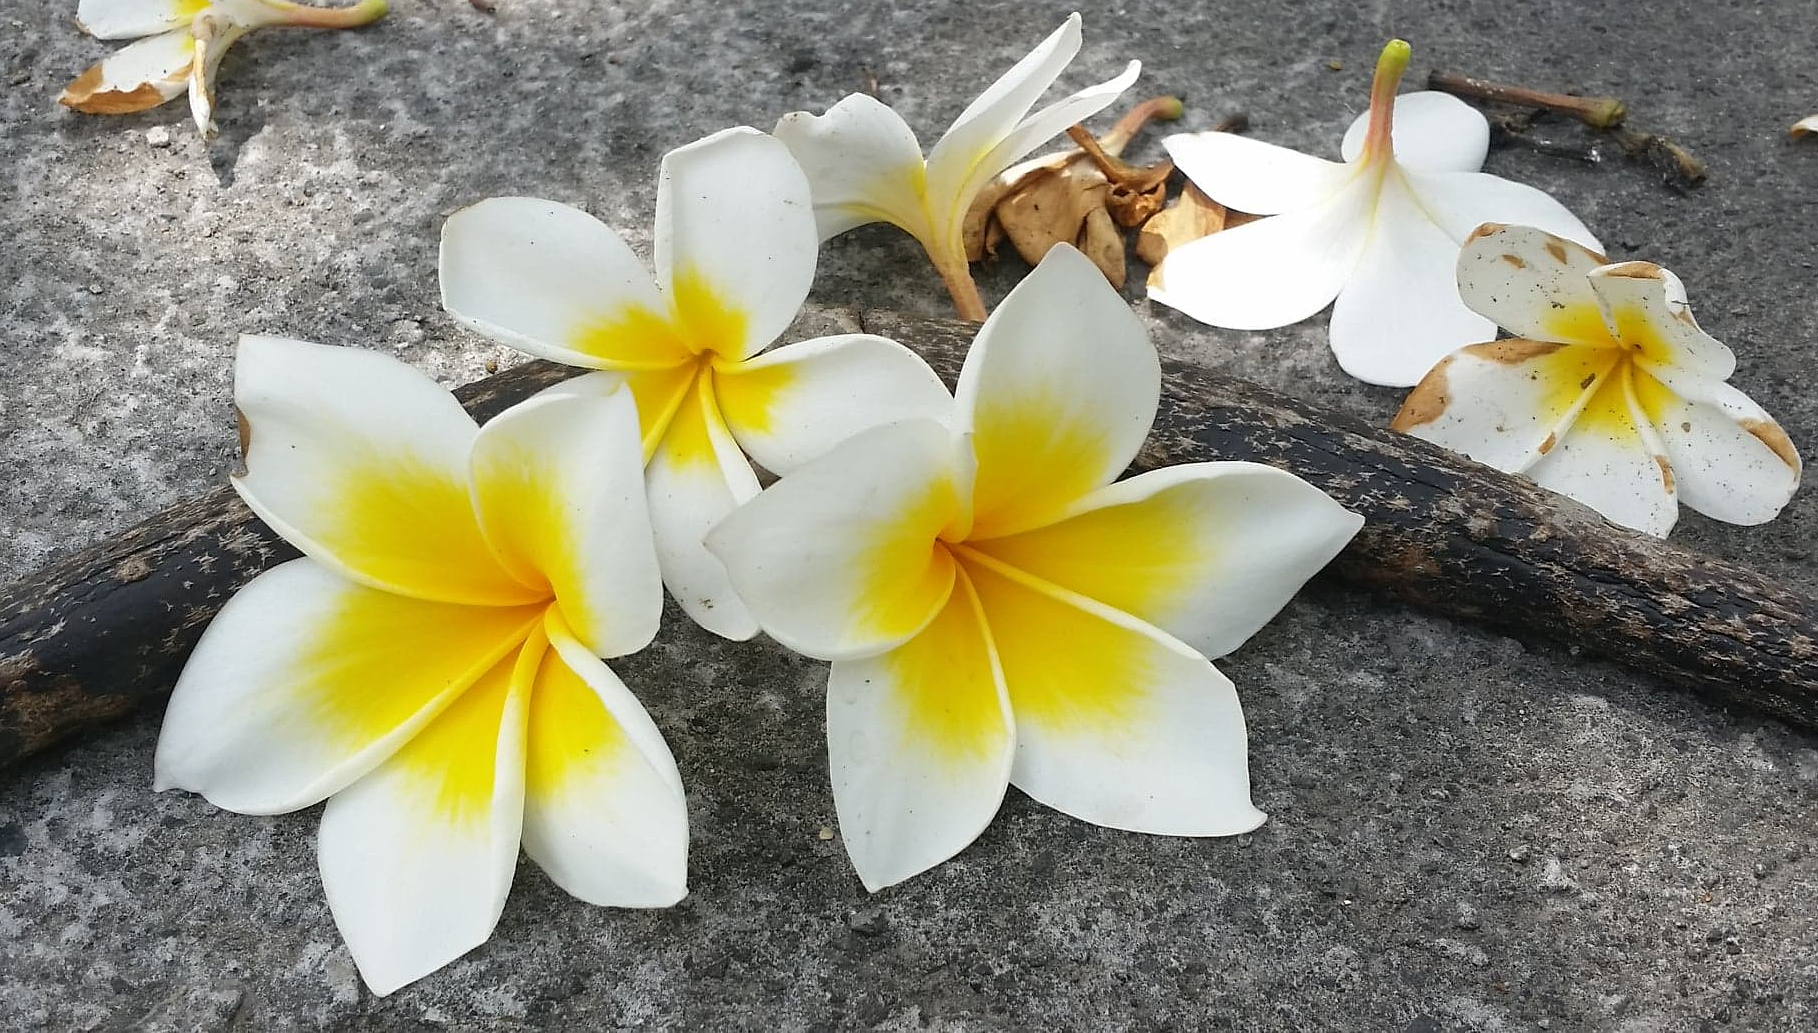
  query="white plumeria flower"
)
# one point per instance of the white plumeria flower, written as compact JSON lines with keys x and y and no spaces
{"x":1609,"y":392}
{"x":430,"y":668}
{"x":1379,"y":231}
{"x":735,"y":254}
{"x":865,"y":163}
{"x":998,"y":612}
{"x":184,"y":41}
{"x":1804,"y":127}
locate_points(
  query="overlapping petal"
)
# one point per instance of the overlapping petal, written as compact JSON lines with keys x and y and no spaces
{"x":361,"y":462}
{"x":1531,"y":283}
{"x":1253,"y":176}
{"x":1459,"y":202}
{"x":130,"y":19}
{"x":136,"y":77}
{"x":1730,"y":460}
{"x":1432,"y":132}
{"x":1612,"y":460}
{"x":865,"y":165}
{"x":1644,"y":306}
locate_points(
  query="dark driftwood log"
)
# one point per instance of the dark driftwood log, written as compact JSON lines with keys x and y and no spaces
{"x":108,"y":628}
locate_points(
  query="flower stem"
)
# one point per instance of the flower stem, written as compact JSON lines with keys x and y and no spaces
{"x":957,"y":276}
{"x":363,"y":13}
{"x":1596,"y":112}
{"x":1379,"y":140}
{"x":1118,"y":171}
{"x":1125,"y":129}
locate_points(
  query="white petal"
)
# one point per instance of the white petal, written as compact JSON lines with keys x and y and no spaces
{"x":1531,"y":283}
{"x":137,"y":77}
{"x":1644,"y":307}
{"x":735,"y":240}
{"x":304,"y":682}
{"x":794,"y":403}
{"x":1117,"y":723}
{"x":1731,"y":460}
{"x":863,"y":165}
{"x":1505,"y":403}
{"x":1271,"y":272}
{"x":1608,"y":461}
{"x":604,"y":813}
{"x":839,"y":559}
{"x":1058,"y":393}
{"x":559,"y":484}
{"x":1433,"y":132}
{"x":919,"y":743}
{"x":418,"y":856}
{"x":361,"y":462}
{"x":1208,"y":552}
{"x":130,"y":19}
{"x":554,"y":281}
{"x":1252,"y":176}
{"x":1400,"y":312}
{"x":1462,"y":201}
{"x":697,"y":476}
{"x":989,"y":119}
{"x":214,"y":33}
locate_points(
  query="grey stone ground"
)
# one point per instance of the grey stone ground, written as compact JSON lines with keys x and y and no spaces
{"x":1465,"y":832}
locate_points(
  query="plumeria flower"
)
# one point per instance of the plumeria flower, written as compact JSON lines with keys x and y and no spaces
{"x":866,"y":165}
{"x":735,"y":254}
{"x":184,"y":41}
{"x":430,"y":667}
{"x":999,"y":612}
{"x":1378,"y":231}
{"x":1804,"y":127}
{"x":1609,"y":392}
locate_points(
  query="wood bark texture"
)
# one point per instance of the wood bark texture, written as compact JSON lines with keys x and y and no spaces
{"x":107,"y":629}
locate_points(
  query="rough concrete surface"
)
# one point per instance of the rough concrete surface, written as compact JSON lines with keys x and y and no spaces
{"x":1465,"y":833}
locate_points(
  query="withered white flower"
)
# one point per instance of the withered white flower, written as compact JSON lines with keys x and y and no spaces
{"x":1378,"y":231}
{"x":184,"y":41}
{"x":1804,"y":127}
{"x":865,"y":165}
{"x":1609,"y":392}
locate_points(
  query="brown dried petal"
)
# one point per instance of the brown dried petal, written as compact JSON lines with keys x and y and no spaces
{"x":1192,"y":215}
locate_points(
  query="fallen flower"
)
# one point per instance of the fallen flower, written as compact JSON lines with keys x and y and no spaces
{"x":865,"y":164}
{"x":1609,"y":393}
{"x":1379,"y":231}
{"x":184,"y":41}
{"x":999,"y":612}
{"x":1804,"y":127}
{"x":430,"y":667}
{"x":735,"y":254}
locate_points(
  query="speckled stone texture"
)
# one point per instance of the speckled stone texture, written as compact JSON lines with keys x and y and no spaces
{"x":1465,"y":833}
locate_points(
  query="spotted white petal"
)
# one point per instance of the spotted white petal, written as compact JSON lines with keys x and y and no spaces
{"x":1645,"y":307}
{"x":1399,"y":312}
{"x":360,"y":461}
{"x":1271,"y":272}
{"x":1057,"y":394}
{"x":418,"y":856}
{"x":735,"y":240}
{"x":863,"y":164}
{"x":557,"y":283}
{"x":1432,"y":132}
{"x":839,"y":559}
{"x":604,"y":813}
{"x":1208,"y":552}
{"x":559,"y":485}
{"x":796,"y":402}
{"x":920,"y":742}
{"x":136,"y":77}
{"x":1117,"y":723}
{"x":1531,"y":283}
{"x":279,"y":705}
{"x":1612,"y":460}
{"x":1252,"y":176}
{"x":1731,"y":461}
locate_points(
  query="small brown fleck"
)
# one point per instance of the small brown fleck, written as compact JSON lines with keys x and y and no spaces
{"x":1485,"y":230}
{"x":1666,"y":471}
{"x":1557,"y":250}
{"x":1686,"y":426}
{"x":1684,"y":315}
{"x":1547,"y":445}
{"x":1427,"y":402}
{"x":1513,"y":351}
{"x":1589,"y":379}
{"x":1769,"y":433}
{"x":1515,"y":260}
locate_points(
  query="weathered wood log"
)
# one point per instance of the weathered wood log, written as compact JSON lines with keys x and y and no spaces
{"x":107,"y":629}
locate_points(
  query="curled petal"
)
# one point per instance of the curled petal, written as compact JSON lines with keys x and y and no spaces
{"x":1252,"y":176}
{"x":559,"y":485}
{"x":659,"y":395}
{"x":1644,"y":307}
{"x":1208,"y":552}
{"x":863,"y":165}
{"x":1731,"y":461}
{"x":1271,"y":272}
{"x":919,"y":742}
{"x":553,"y":281}
{"x":604,"y":813}
{"x":304,"y":682}
{"x":418,"y":856}
{"x":1117,"y":723}
{"x":1611,"y":460}
{"x":735,"y":240}
{"x":1057,"y":394}
{"x":1400,"y":312}
{"x":213,"y":34}
{"x":792,"y":404}
{"x":1433,"y":132}
{"x":130,"y":19}
{"x":840,"y":559}
{"x":136,"y":77}
{"x":1532,"y":284}
{"x":361,"y":462}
